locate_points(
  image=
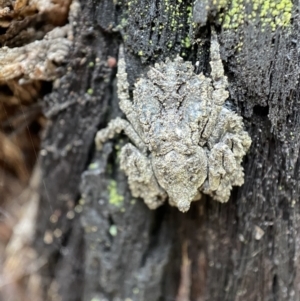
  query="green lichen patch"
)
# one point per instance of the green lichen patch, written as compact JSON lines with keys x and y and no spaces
{"x":148,"y":29}
{"x":90,"y":91}
{"x":187,"y":42}
{"x":93,"y":166}
{"x":133,"y":201}
{"x":256,"y":42}
{"x":114,"y":197}
{"x":267,"y":13}
{"x":118,"y":149}
{"x":113,"y":230}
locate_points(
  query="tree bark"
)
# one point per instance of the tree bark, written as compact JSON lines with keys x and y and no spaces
{"x":112,"y":247}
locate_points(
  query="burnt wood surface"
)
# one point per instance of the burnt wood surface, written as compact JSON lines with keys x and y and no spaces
{"x":246,"y":249}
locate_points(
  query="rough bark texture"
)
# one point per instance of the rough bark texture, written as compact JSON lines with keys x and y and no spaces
{"x":115,"y":247}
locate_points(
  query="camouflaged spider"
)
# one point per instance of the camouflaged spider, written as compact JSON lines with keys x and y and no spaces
{"x":185,"y":140}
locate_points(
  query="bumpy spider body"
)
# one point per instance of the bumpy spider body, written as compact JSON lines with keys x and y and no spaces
{"x":186,"y":140}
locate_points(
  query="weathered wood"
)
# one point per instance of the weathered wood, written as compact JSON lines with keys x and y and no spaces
{"x":75,"y":109}
{"x":115,"y":248}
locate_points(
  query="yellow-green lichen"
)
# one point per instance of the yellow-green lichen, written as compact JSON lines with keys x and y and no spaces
{"x":118,"y":150}
{"x":269,"y":13}
{"x":113,"y":230}
{"x":114,"y":197}
{"x":90,"y":91}
{"x":124,"y":22}
{"x":93,"y":166}
{"x":81,"y":201}
{"x":186,"y":42}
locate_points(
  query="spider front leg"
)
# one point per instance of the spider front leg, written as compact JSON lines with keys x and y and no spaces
{"x":123,"y":86}
{"x":219,"y":84}
{"x":141,"y":179}
{"x":116,"y":126}
{"x":126,"y":105}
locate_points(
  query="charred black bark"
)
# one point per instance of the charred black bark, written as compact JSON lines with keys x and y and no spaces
{"x":115,"y":248}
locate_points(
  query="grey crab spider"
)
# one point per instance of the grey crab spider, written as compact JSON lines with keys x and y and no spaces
{"x":184,"y":140}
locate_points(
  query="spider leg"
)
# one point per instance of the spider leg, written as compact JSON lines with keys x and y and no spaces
{"x":125,"y":103}
{"x":219,"y":84}
{"x":116,"y":126}
{"x":217,"y":70}
{"x":141,"y":179}
{"x":228,"y":144}
{"x":229,"y":130}
{"x":222,"y":166}
{"x":122,"y":84}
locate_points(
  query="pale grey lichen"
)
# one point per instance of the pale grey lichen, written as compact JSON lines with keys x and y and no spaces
{"x":186,"y":140}
{"x":38,"y":60}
